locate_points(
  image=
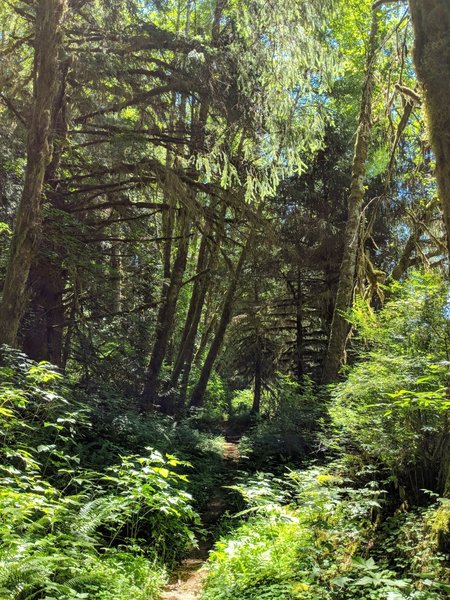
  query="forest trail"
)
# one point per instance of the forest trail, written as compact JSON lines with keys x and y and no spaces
{"x":187,"y":581}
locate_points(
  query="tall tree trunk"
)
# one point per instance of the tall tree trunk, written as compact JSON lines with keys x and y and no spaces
{"x":207,"y":259}
{"x":227,"y":311}
{"x":258,"y":364}
{"x":67,"y":341}
{"x":209,"y":325}
{"x":431,"y":23}
{"x":300,"y":369}
{"x":48,"y":41}
{"x":167,"y":312}
{"x":339,"y":325}
{"x":195,"y":307}
{"x":166,"y":316}
{"x":44,"y":320}
{"x":168,"y":222}
{"x":257,"y":386}
{"x":116,"y":277}
{"x":185,"y":356}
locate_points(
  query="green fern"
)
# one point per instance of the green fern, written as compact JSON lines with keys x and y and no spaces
{"x":22,"y":579}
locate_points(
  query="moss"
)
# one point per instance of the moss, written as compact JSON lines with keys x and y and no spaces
{"x":440,"y":526}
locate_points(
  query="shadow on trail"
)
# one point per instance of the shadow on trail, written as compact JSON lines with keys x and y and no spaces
{"x":186,"y":582}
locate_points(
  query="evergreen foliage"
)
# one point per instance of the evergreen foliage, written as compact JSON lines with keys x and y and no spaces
{"x":224,"y":299}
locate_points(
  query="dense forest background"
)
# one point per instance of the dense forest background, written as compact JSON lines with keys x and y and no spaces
{"x":225,"y":222}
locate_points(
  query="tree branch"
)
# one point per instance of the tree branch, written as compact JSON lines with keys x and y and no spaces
{"x":379,"y":3}
{"x":11,"y":107}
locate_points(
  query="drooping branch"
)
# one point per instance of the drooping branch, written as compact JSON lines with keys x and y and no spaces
{"x":13,"y":109}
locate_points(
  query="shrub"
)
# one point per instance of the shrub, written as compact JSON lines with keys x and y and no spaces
{"x":393,"y":406}
{"x":70,"y":532}
{"x":307,"y":536}
{"x":287,"y":429}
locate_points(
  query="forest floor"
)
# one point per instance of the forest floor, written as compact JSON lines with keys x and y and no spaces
{"x":187,"y":581}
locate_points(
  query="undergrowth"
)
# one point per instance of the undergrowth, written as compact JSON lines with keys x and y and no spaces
{"x":375,"y":522}
{"x":312,"y":535}
{"x":286,"y":430}
{"x":84,"y":520}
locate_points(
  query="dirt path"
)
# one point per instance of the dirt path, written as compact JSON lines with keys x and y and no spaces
{"x":186,"y":583}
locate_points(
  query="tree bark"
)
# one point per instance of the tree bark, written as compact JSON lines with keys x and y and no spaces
{"x":187,"y":356}
{"x":207,"y":260}
{"x":48,"y":41}
{"x":194,"y":311}
{"x":116,"y":279}
{"x":198,"y":127}
{"x":339,"y":325}
{"x":257,"y":386}
{"x":168,"y":221}
{"x":431,"y":23}
{"x":227,"y":311}
{"x":166,"y":317}
{"x":209,"y":326}
{"x":258,"y":362}
{"x":44,"y":320}
{"x":300,"y":368}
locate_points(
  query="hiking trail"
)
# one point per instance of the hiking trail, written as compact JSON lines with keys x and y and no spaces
{"x":187,"y":581}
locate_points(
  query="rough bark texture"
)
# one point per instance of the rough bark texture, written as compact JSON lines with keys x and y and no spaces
{"x":227,"y":311}
{"x":339,"y":325}
{"x":48,"y":40}
{"x":431,"y":22}
{"x":41,"y":332}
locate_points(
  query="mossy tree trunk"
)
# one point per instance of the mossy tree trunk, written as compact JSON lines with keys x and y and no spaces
{"x":344,"y":297}
{"x":431,"y":22}
{"x":48,"y":41}
{"x":42,"y":328}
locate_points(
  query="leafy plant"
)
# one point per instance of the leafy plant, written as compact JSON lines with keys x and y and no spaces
{"x":307,"y":536}
{"x":287,"y":430}
{"x":393,"y":406}
{"x":68,"y":531}
{"x":150,"y":504}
